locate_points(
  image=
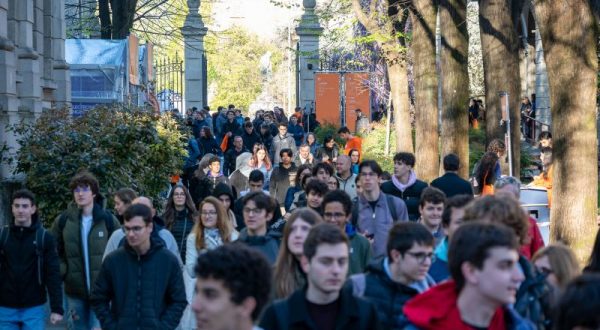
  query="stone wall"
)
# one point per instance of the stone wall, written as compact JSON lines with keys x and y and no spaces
{"x":33,"y":73}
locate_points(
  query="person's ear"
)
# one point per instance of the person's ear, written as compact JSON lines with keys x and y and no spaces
{"x":395,"y":255}
{"x":247,"y":307}
{"x":470,"y":273}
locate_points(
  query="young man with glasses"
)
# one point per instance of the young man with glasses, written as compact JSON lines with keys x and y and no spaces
{"x":258,"y":211}
{"x":375,"y":212}
{"x":390,"y":283}
{"x":82,"y":232}
{"x":337,"y":210}
{"x":139,"y":286}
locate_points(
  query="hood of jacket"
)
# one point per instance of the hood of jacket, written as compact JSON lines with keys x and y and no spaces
{"x":437,"y":309}
{"x":156,"y":243}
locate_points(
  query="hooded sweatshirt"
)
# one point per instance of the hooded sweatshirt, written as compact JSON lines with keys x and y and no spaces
{"x":437,"y":309}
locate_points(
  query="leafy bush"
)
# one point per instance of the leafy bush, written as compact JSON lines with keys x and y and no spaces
{"x":329,"y":129}
{"x":373,"y":146}
{"x":122,"y":147}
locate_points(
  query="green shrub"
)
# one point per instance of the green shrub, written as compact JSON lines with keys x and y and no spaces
{"x":329,"y":129}
{"x":122,"y":147}
{"x":373,"y":146}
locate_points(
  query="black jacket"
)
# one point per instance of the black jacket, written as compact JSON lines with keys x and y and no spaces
{"x":292,"y":313}
{"x":280,"y":181}
{"x":452,"y":184}
{"x":268,"y":245}
{"x":387,"y":296}
{"x":411,"y":196}
{"x":230,"y":157}
{"x":19,"y":286}
{"x":139,"y":292}
{"x":250,"y":139}
{"x":209,"y":146}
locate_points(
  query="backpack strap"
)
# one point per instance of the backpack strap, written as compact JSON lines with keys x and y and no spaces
{"x":4,"y":237}
{"x":391,"y":206}
{"x":354,"y":219}
{"x":40,"y":239}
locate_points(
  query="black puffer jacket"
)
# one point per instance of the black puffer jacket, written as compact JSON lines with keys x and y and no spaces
{"x":387,"y":296}
{"x":19,"y":285}
{"x":139,"y":292}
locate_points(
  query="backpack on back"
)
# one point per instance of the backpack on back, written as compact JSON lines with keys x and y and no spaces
{"x":389,"y":199}
{"x":39,"y":242}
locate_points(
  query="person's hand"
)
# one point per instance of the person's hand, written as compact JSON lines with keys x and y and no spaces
{"x":55,"y":318}
{"x":229,"y":134}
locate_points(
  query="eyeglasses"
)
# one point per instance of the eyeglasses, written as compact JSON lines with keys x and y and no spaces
{"x":420,"y":256}
{"x":337,"y":215}
{"x":135,"y":230}
{"x":207,"y":213}
{"x":178,"y":194}
{"x":248,"y":210}
{"x":367,"y":174}
{"x":82,"y":189}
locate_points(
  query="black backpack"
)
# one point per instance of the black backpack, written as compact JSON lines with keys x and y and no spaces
{"x":533,"y":297}
{"x":40,"y":239}
{"x":390,"y":203}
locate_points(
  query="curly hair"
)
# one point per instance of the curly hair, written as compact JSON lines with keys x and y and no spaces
{"x":244,"y":271}
{"x":85,"y":178}
{"x":500,"y":208}
{"x":496,"y":146}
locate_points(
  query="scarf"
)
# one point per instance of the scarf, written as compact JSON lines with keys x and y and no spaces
{"x":212,"y":238}
{"x":412,"y":178}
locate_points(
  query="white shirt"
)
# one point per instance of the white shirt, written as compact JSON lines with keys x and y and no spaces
{"x":86,"y":227}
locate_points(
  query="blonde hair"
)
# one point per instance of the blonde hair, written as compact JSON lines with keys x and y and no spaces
{"x":222,"y":223}
{"x":562,"y":261}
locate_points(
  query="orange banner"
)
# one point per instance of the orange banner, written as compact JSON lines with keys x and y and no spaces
{"x":357,"y":97}
{"x":133,"y":59}
{"x":327,"y":97}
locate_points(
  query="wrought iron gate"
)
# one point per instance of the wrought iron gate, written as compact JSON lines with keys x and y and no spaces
{"x":169,"y":83}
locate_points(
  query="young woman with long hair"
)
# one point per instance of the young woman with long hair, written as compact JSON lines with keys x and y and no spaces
{"x":485,"y":173}
{"x":288,"y":276}
{"x":260,"y":161}
{"x":212,"y":231}
{"x":559,"y":264}
{"x":179,"y":216}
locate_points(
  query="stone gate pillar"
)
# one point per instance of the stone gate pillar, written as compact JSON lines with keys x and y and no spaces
{"x":309,"y":30}
{"x":195,"y":65}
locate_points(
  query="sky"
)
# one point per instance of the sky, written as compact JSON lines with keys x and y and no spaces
{"x":262,"y":17}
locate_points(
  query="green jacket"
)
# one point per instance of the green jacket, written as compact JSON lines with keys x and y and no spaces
{"x":360,"y":253}
{"x":70,"y":250}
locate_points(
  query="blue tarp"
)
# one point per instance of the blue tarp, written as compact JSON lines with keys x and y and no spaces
{"x":96,"y":52}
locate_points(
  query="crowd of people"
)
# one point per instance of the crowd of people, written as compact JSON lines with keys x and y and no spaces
{"x":294,"y":233}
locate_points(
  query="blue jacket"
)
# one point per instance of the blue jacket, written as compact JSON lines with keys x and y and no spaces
{"x":297,"y":132}
{"x":439,"y":268}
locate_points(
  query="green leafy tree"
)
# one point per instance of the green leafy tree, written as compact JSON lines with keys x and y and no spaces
{"x":123,"y":148}
{"x":234,"y":66}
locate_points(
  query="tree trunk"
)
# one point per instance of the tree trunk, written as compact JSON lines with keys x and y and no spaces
{"x":568,"y":36}
{"x":123,"y":12}
{"x":455,"y":81}
{"x":104,"y":16}
{"x":423,"y":16}
{"x":398,"y":77}
{"x":500,"y":46}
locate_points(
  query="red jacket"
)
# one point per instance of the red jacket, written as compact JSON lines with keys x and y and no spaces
{"x":536,"y":241}
{"x":437,"y":309}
